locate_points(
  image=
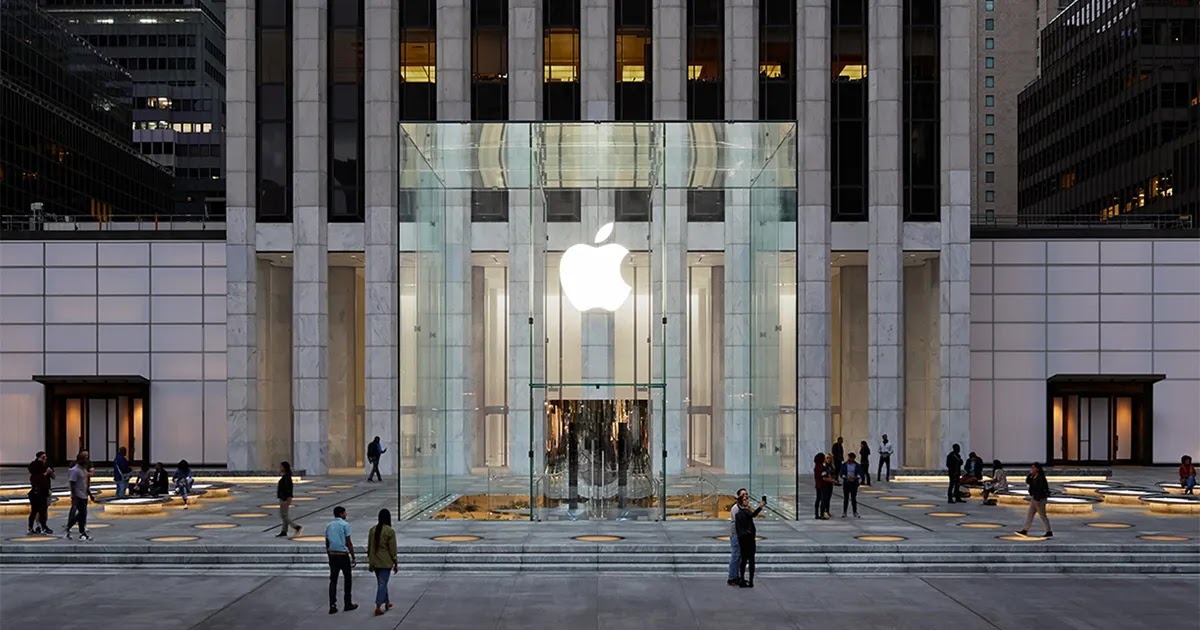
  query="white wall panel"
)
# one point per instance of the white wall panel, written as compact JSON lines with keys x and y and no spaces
{"x":1019,"y":280}
{"x":214,"y":366}
{"x":71,"y":281}
{"x":214,"y":281}
{"x":20,"y":254}
{"x":70,"y":310}
{"x":73,"y":254}
{"x":981,"y":308}
{"x":178,"y":416}
{"x":1176,"y":364}
{"x":1019,"y":336}
{"x":1125,"y":279}
{"x":981,"y":366}
{"x":214,"y":337}
{"x":21,"y":310}
{"x":20,"y":338}
{"x":176,"y":280}
{"x":125,"y":364}
{"x":981,"y":280}
{"x":1126,"y":308}
{"x":1072,"y":363}
{"x":1073,"y":252}
{"x":1020,"y":420}
{"x":1126,"y":252}
{"x":981,"y":253}
{"x":1177,"y":308}
{"x":124,"y":281}
{"x":1176,"y":431}
{"x":215,"y":422}
{"x":1019,"y":365}
{"x":1177,"y":279}
{"x":1126,"y":336}
{"x":176,"y":309}
{"x":214,"y":255}
{"x":22,"y":420}
{"x":981,"y":417}
{"x":214,"y":309}
{"x":124,"y":254}
{"x":1072,"y":336}
{"x":1126,"y":363}
{"x":1020,"y":308}
{"x":981,"y":336}
{"x":177,"y":338}
{"x":1060,"y":280}
{"x":1019,"y":252}
{"x":175,"y":254}
{"x":130,"y":309}
{"x":21,"y":280}
{"x":173,"y":366}
{"x":20,"y":366}
{"x":1181,"y":252}
{"x":1072,"y":308}
{"x":62,"y":364}
{"x":1177,"y":337}
{"x":71,"y":338}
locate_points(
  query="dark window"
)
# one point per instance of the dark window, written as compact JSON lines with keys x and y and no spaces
{"x":922,"y":111}
{"x":848,"y":111}
{"x":274,"y":110}
{"x":563,"y":205}
{"x":705,"y":60}
{"x":560,"y":60}
{"x":489,"y":60}
{"x":418,"y":60}
{"x":489,"y":206}
{"x":777,"y":60}
{"x":706,"y":205}
{"x":345,"y":114}
{"x":634,"y":61}
{"x":633,"y":205}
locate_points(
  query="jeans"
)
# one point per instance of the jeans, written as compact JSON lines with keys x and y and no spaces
{"x":884,"y":460}
{"x":339,"y":562}
{"x":866,"y":468}
{"x":826,"y":498}
{"x":952,"y":489}
{"x":78,"y":514}
{"x":122,"y":485}
{"x":381,"y":586}
{"x":1039,"y":508}
{"x":849,"y":496}
{"x":285,"y":519}
{"x":820,"y":498}
{"x":374,"y":471}
{"x":748,"y":548}
{"x":182,"y":488}
{"x":735,"y":557}
{"x":1189,"y":484}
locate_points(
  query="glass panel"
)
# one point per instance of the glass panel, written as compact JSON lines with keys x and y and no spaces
{"x":1099,"y":429}
{"x":1124,"y":429}
{"x":1059,"y":453}
{"x":1072,"y":428}
{"x":73,"y":438}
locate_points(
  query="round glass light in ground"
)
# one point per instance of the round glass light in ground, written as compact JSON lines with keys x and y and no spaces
{"x":1104,"y":525}
{"x":870,"y":491}
{"x":1172,"y":503}
{"x":1164,"y":538}
{"x":1125,"y":496}
{"x":725,"y":538}
{"x":981,"y":525}
{"x":32,"y":539}
{"x":918,"y":505}
{"x":1018,"y":538}
{"x":946,"y":514}
{"x":1088,"y":487}
{"x":457,"y":538}
{"x":309,"y":538}
{"x":174,"y":539}
{"x":880,"y":538}
{"x":134,"y":506}
{"x":598,"y":538}
{"x":1170,"y":487}
{"x":304,"y":498}
{"x":321,"y":491}
{"x":270,"y":506}
{"x":249,"y":514}
{"x":341,"y":486}
{"x":895,"y":498}
{"x":215,"y":525}
{"x":92,"y":525}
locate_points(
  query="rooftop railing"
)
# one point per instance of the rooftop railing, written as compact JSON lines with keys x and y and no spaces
{"x":1061,"y":221}
{"x":47,"y":222}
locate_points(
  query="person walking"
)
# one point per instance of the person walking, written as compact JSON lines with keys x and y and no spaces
{"x":284,"y":491}
{"x":40,"y":476}
{"x":852,"y":473}
{"x":954,"y":466}
{"x":381,"y":558}
{"x":832,"y":473}
{"x":183,"y":480}
{"x":735,"y":556}
{"x":747,"y":538}
{"x":839,"y":454}
{"x":122,"y":471}
{"x":340,"y":550}
{"x":375,"y":451}
{"x":885,"y":459}
{"x":864,"y":453}
{"x":79,"y":479}
{"x":998,"y":483}
{"x":1039,"y":493}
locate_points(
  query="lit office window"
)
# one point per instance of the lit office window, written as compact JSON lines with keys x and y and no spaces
{"x":560,"y":60}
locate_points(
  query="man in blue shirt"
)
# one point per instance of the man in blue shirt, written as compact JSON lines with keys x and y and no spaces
{"x":121,"y":472}
{"x":341,"y":557}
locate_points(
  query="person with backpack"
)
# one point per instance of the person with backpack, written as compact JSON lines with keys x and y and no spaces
{"x":375,"y":450}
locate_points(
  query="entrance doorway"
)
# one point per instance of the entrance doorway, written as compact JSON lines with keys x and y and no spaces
{"x":1096,"y":419}
{"x":99,"y":413}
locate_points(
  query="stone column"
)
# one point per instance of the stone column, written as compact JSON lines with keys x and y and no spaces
{"x":813,"y":328}
{"x":598,"y":59}
{"x":241,"y":335}
{"x":669,"y":37}
{"x":343,"y":367}
{"x":526,"y":305}
{"x":884,"y":254}
{"x":310,"y":302}
{"x":674,"y":373}
{"x":737,"y":293}
{"x":854,"y":379}
{"x":454,"y":60}
{"x":957,"y":57}
{"x":741,"y":60}
{"x":380,"y":231}
{"x":525,"y":73}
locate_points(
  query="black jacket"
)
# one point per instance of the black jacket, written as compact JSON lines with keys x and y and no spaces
{"x":954,"y":463}
{"x":744,"y":522}
{"x":1039,"y":488}
{"x":838,"y":452}
{"x":285,"y":488}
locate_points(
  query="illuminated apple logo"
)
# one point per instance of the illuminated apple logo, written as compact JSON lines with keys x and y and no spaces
{"x":591,"y":276}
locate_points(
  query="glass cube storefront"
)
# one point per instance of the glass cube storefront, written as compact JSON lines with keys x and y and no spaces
{"x":597,"y":320}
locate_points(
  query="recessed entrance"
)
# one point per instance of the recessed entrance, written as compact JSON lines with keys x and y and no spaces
{"x":1097,"y":419}
{"x":97,"y":413}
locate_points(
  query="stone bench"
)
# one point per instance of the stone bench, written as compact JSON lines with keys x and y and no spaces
{"x":1172,"y":503}
{"x":1170,"y":487}
{"x":18,"y":505}
{"x":135,"y":506}
{"x":1126,"y":495}
{"x":1056,"y":504}
{"x":1089,"y":488}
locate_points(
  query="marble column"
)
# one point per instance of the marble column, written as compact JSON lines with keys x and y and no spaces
{"x":454,"y":60}
{"x":343,"y":367}
{"x":741,"y":60}
{"x":736,"y":369}
{"x":854,"y":368}
{"x":597,"y":59}
{"x":671,"y":219}
{"x":922,"y":398}
{"x":957,"y":64}
{"x":241,"y":361}
{"x":380,"y":229}
{"x":813,"y":338}
{"x":884,"y":244}
{"x":526,"y":331}
{"x":310,"y":302}
{"x":669,"y":79}
{"x":274,"y":325}
{"x":525,"y":73}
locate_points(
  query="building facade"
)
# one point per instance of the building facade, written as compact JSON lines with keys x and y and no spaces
{"x":175,"y":52}
{"x":64,"y":143}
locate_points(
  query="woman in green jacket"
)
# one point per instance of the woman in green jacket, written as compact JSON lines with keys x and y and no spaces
{"x":381,"y":553}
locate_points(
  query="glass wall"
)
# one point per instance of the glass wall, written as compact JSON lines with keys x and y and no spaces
{"x":608,"y":372}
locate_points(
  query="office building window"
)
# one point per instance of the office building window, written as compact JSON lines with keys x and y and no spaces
{"x":489,"y":206}
{"x":633,"y":204}
{"x":418,"y":60}
{"x":989,"y":24}
{"x":921,"y":111}
{"x":989,"y":81}
{"x":563,"y":205}
{"x":989,"y":43}
{"x":705,"y":60}
{"x":989,"y":196}
{"x":989,"y":62}
{"x":345,"y":114}
{"x":777,"y":60}
{"x":989,"y":177}
{"x":273,"y":149}
{"x":560,"y":59}
{"x":989,"y":101}
{"x":634,"y":59}
{"x":989,"y":120}
{"x":848,"y":111}
{"x":706,"y":205}
{"x":489,"y":60}
{"x":989,"y":158}
{"x":989,"y":5}
{"x":989,"y":139}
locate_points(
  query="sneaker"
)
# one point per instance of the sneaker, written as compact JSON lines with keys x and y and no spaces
{"x":333,"y":610}
{"x":856,"y":515}
{"x":47,"y":531}
{"x":843,"y":515}
{"x":1022,"y":532}
{"x":85,"y":536}
{"x":67,"y":536}
{"x":33,"y":532}
{"x":282,"y":535}
{"x":1048,"y":534}
{"x":299,"y":529}
{"x":350,"y":607}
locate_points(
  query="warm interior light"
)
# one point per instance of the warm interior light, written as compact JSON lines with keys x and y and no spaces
{"x":591,"y":276}
{"x":853,"y":72}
